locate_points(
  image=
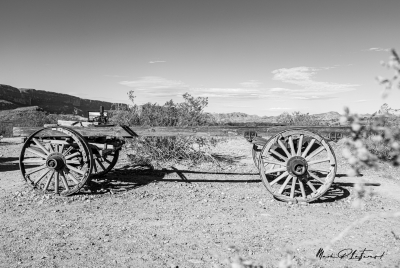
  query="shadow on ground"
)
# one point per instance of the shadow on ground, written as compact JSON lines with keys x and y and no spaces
{"x":8,"y":164}
{"x":128,"y":178}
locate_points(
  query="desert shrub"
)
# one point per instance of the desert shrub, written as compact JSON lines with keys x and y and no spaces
{"x":297,"y":119}
{"x":190,"y":112}
{"x":382,"y":130}
{"x":156,"y":151}
{"x":159,"y":150}
{"x":35,"y":119}
{"x":5,"y":129}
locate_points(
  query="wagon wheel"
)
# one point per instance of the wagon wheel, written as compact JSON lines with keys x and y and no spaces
{"x":103,"y":162}
{"x":59,"y":165}
{"x":307,"y":166}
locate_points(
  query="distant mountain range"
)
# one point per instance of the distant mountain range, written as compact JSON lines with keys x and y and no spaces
{"x":52,"y":102}
{"x":57,"y":103}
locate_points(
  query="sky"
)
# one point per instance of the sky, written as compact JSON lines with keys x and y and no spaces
{"x":256,"y":57}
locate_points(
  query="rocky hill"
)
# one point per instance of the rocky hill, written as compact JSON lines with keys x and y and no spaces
{"x":52,"y":102}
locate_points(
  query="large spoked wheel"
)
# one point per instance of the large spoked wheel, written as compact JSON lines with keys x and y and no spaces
{"x":297,"y":166}
{"x":58,"y":164}
{"x":103,"y":161}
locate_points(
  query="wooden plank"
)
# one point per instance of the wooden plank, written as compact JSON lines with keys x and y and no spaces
{"x":115,"y":131}
{"x":118,"y":131}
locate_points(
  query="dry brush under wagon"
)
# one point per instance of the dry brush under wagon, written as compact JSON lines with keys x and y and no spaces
{"x":295,"y":164}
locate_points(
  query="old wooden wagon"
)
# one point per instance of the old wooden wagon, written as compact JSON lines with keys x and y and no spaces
{"x":295,"y":164}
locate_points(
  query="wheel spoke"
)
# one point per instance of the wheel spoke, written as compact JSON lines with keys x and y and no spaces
{"x":41,"y":146}
{"x":48,"y":181}
{"x":32,"y":161}
{"x":68,"y":150}
{"x":315,"y":177}
{"x":106,"y":160}
{"x":41,"y":177}
{"x":62,"y":148}
{"x":303,"y":193}
{"x":278,"y":154}
{"x":69,"y":175}
{"x":300,"y":144}
{"x":308,"y":148}
{"x":275,"y":162}
{"x":56,"y":182}
{"x":284,"y":148}
{"x":279,"y":178}
{"x":318,"y":161}
{"x":311,"y":186}
{"x":36,"y":170}
{"x":36,"y":153}
{"x":64,"y":181}
{"x":51,"y":148}
{"x":293,"y":187}
{"x":319,"y":170}
{"x":275,"y":170}
{"x":82,"y":172}
{"x":74,"y":162}
{"x":316,"y":152}
{"x":72,"y":155}
{"x":292,"y":151}
{"x":284,"y":184}
{"x":100,"y":164}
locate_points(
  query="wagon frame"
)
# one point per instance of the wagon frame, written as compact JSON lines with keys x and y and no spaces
{"x":66,"y":156}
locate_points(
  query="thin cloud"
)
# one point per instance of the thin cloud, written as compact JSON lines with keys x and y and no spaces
{"x":157,"y":86}
{"x":304,"y":78}
{"x":251,"y":84}
{"x":376,"y":49}
{"x":314,"y":98}
{"x":114,"y":75}
{"x":360,"y":100}
{"x":240,"y":93}
{"x":157,"y":61}
{"x":280,"y":108}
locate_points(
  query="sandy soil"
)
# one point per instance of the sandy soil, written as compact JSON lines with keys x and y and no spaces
{"x":193,"y":217}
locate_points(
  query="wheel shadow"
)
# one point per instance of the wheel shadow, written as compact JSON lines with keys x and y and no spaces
{"x":128,"y":178}
{"x":334,"y":193}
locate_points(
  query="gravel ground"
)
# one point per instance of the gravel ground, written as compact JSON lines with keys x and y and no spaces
{"x":200,"y":216}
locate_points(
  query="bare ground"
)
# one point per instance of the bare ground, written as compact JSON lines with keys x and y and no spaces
{"x":191,"y":217}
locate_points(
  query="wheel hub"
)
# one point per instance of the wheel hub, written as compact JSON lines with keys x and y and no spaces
{"x":55,"y":161}
{"x":297,"y":166}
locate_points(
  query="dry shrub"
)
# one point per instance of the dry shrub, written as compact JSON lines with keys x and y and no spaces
{"x":298,"y":119}
{"x":158,"y":151}
{"x":154,"y":151}
{"x":190,"y":112}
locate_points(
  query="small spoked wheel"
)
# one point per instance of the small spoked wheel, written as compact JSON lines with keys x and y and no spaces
{"x":103,"y":161}
{"x":56,"y":160}
{"x":297,"y":166}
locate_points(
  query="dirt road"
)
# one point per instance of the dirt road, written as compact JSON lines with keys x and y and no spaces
{"x":191,"y":217}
